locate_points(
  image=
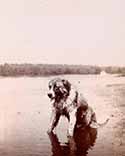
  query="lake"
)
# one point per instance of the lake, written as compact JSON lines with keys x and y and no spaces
{"x":25,"y":112}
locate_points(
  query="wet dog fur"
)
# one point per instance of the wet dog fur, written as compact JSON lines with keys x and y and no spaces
{"x":69,"y":102}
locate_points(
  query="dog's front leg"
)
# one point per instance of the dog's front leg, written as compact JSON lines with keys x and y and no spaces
{"x":72,"y":122}
{"x":71,"y":127}
{"x":55,"y":115}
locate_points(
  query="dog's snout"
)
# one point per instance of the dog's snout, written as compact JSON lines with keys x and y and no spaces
{"x":50,"y":95}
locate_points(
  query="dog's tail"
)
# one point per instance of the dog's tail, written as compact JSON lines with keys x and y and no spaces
{"x":98,"y":125}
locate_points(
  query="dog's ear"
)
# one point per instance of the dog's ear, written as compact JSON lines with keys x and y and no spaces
{"x":67,"y":85}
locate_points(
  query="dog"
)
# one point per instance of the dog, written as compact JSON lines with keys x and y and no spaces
{"x":67,"y":101}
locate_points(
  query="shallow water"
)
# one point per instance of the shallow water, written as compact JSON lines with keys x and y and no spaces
{"x":25,"y":111}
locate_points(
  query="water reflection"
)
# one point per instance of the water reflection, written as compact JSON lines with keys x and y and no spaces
{"x":83,"y":141}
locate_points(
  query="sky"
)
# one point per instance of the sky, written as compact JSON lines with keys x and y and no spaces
{"x":88,"y":32}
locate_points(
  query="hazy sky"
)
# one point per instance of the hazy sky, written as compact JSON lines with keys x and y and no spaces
{"x":62,"y":31}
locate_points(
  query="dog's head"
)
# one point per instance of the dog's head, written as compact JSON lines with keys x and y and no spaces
{"x":58,"y":88}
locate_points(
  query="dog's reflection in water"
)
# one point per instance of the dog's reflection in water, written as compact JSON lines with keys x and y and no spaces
{"x":83,"y":140}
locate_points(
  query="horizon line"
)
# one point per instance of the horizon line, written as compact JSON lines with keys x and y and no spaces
{"x":14,"y":63}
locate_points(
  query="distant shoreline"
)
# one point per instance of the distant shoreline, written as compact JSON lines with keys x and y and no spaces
{"x":38,"y":70}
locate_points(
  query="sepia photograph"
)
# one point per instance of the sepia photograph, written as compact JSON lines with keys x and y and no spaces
{"x":62,"y":78}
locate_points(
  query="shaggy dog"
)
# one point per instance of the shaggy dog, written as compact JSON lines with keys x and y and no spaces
{"x":69,"y":102}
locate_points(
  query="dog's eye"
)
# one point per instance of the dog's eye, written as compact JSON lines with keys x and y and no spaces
{"x":50,"y":86}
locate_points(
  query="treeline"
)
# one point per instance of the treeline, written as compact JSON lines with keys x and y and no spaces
{"x":54,"y":69}
{"x":114,"y":69}
{"x":45,"y":69}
